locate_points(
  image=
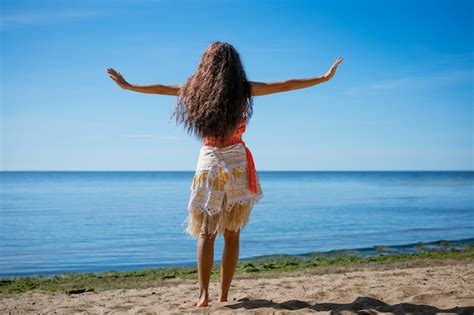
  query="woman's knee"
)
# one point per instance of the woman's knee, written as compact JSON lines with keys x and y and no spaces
{"x":230,"y":235}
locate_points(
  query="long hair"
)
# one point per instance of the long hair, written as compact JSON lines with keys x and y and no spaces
{"x":216,"y":98}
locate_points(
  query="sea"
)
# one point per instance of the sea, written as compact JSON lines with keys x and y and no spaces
{"x":55,"y":222}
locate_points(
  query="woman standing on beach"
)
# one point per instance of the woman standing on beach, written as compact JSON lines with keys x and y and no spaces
{"x":215,"y":105}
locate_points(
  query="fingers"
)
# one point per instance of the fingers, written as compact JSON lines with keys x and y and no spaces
{"x":116,"y":80}
{"x":336,"y":63}
{"x":113,"y":72}
{"x":114,"y":75}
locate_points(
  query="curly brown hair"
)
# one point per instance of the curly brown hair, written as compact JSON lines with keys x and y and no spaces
{"x":216,"y":98}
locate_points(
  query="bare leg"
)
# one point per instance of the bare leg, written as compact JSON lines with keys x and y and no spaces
{"x":205,"y":257}
{"x":230,"y":256}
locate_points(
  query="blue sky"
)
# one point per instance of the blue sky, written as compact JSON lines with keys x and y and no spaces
{"x":402,"y":99}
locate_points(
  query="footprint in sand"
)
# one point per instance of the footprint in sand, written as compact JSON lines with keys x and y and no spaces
{"x":146,"y":311}
{"x":122,"y":307}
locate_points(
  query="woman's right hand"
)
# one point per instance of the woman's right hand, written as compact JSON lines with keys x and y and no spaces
{"x":333,"y":69}
{"x":118,"y":78}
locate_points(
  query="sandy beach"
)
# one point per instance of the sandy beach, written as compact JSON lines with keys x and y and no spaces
{"x":430,"y":286}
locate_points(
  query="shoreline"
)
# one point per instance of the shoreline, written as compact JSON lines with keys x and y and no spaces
{"x":420,"y":285}
{"x":409,"y":248}
{"x":438,"y":252}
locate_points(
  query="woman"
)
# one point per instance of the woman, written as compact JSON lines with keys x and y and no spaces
{"x":215,"y":104}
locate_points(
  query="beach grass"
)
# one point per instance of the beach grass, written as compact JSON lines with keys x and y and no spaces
{"x":73,"y":283}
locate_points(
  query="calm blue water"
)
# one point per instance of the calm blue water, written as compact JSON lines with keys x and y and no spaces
{"x":55,"y":222}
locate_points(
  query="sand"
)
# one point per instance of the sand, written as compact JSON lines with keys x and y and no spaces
{"x":417,"y":286}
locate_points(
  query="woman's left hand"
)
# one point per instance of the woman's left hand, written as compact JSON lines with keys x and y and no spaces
{"x":333,"y":69}
{"x":118,"y":78}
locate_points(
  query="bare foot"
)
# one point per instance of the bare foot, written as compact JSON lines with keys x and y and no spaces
{"x":203,"y":300}
{"x":222,"y":298}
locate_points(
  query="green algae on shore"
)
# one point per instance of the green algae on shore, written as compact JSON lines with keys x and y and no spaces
{"x":73,"y":283}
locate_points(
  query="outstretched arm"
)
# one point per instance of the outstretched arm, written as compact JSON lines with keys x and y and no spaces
{"x":149,"y":89}
{"x":260,"y":88}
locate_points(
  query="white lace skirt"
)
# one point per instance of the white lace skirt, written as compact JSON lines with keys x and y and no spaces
{"x":220,"y":196}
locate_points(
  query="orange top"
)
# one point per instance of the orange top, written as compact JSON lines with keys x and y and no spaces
{"x":234,"y":138}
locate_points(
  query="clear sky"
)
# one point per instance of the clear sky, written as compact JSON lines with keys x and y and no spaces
{"x":402,"y":98}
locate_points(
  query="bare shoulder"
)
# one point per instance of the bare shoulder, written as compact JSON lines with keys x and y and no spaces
{"x":174,"y":89}
{"x":258,"y":88}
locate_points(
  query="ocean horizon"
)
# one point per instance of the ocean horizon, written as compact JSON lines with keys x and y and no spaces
{"x":58,"y":221}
